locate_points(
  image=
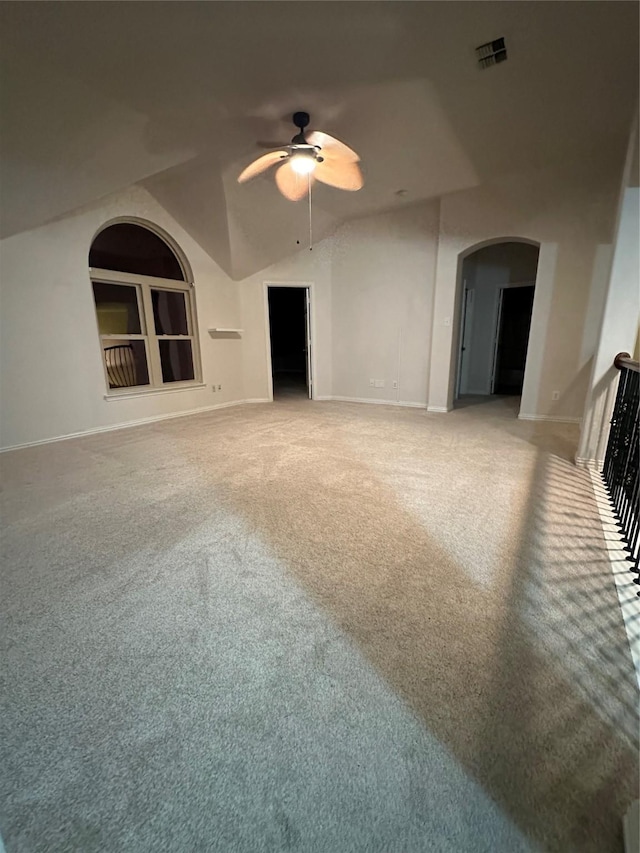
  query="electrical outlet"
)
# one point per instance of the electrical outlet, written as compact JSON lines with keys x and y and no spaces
{"x":555,"y":395}
{"x":372,"y":382}
{"x":219,"y":387}
{"x":213,"y":388}
{"x":379,"y":383}
{"x":395,"y":383}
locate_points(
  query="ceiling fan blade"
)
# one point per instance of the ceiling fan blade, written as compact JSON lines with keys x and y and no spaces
{"x":342,"y":174}
{"x":260,"y":165}
{"x":332,"y":148}
{"x":292,"y":185}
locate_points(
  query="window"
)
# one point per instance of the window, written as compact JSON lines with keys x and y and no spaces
{"x":145,"y":310}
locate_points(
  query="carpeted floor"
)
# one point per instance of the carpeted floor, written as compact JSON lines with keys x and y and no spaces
{"x":312,"y":627}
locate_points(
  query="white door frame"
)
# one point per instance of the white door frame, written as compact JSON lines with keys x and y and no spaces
{"x":466,"y":325}
{"x":309,"y":286}
{"x":496,"y":339}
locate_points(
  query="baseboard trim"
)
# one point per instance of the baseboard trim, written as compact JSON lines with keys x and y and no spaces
{"x":156,"y":418}
{"x":552,"y":418}
{"x":127,"y":424}
{"x":403,"y":403}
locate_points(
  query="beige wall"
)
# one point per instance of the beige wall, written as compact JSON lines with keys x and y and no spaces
{"x":372,"y":288}
{"x":382,"y":284}
{"x":312,"y":268}
{"x":384,"y":306}
{"x":381,"y":274}
{"x":618,"y":330}
{"x":51,"y":376}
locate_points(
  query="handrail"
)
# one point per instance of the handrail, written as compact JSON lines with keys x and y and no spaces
{"x":621,"y":471}
{"x":623,"y":359}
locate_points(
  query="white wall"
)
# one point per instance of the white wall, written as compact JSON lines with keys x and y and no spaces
{"x":312,"y":268}
{"x":620,"y":319}
{"x":382,"y":283}
{"x":383,"y":286}
{"x":570,"y":213}
{"x":379,"y":270}
{"x":372,"y":288}
{"x":485,"y":272}
{"x":51,"y":376}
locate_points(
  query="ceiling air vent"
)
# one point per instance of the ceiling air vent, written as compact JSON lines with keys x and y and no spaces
{"x":491,"y":53}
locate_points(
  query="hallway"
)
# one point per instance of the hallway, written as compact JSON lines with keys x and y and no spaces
{"x":509,"y":403}
{"x":290,"y":385}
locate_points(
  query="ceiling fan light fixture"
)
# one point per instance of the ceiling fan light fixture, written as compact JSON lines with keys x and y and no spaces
{"x":303,"y":164}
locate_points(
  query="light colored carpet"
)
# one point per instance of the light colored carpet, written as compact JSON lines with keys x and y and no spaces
{"x":312,"y":627}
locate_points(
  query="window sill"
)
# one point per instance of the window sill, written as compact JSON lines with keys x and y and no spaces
{"x":151,"y":392}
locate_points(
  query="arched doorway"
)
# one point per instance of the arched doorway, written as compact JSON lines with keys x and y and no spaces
{"x":497,"y":288}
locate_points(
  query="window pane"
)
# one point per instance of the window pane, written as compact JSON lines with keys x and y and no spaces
{"x":117,"y":308}
{"x":177,"y":360}
{"x":126,"y":364}
{"x":169,"y":312}
{"x":127,"y":247}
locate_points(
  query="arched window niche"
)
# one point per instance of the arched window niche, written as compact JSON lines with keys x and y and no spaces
{"x":145,"y":310}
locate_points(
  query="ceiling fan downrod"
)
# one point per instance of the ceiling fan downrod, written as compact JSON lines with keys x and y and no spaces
{"x":301,"y":120}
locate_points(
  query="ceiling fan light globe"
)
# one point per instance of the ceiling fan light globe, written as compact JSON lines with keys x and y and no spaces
{"x":303,"y":164}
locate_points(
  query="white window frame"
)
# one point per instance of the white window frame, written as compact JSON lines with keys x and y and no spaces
{"x":144,"y":284}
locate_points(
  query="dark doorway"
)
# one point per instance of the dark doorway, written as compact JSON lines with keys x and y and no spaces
{"x":288,"y":322}
{"x":513,"y":338}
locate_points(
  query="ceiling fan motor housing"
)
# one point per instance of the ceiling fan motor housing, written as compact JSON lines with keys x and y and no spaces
{"x":301,"y":120}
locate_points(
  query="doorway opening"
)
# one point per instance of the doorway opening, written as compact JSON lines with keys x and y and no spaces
{"x":496,"y":306}
{"x":289,"y":314}
{"x":514,"y":310}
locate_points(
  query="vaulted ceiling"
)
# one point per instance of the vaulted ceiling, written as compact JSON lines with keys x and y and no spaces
{"x":97,"y":96}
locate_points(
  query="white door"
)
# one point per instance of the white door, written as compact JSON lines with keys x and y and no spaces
{"x":307,"y":320}
{"x":466,"y":326}
{"x":496,"y":340}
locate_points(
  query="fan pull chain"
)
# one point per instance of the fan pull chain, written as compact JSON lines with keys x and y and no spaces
{"x":310,"y":220}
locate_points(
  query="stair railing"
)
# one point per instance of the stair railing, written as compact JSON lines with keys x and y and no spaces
{"x":621,"y":464}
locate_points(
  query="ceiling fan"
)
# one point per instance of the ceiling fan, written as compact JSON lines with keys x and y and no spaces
{"x":307,"y":158}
